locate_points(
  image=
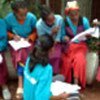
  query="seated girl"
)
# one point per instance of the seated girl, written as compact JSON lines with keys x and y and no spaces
{"x":20,"y":24}
{"x":38,"y":72}
{"x":74,"y":58}
{"x":53,"y":25}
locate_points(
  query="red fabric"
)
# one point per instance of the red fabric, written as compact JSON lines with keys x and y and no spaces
{"x":74,"y":58}
{"x":67,"y":10}
{"x":98,"y":74}
{"x":3,"y":71}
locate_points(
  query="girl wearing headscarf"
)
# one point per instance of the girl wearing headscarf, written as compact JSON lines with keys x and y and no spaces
{"x":74,"y":58}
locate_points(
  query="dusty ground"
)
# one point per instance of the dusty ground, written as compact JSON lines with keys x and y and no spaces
{"x":91,"y":92}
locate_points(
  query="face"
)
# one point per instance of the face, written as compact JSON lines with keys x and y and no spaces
{"x":74,"y":15}
{"x":50,"y":19}
{"x":21,"y":13}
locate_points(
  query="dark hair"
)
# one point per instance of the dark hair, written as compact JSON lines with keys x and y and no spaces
{"x":16,"y":5}
{"x":40,"y":52}
{"x":44,"y":11}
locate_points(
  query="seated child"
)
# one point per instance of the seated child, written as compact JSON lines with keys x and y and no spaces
{"x":38,"y":72}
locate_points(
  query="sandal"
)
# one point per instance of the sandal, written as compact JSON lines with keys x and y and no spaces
{"x":6,"y":94}
{"x":19,"y":93}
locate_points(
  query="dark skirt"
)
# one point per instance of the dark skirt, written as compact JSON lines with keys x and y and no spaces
{"x":3,"y":71}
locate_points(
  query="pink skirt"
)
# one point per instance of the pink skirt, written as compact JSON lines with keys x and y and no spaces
{"x":20,"y":55}
{"x":55,"y":58}
{"x":3,"y":71}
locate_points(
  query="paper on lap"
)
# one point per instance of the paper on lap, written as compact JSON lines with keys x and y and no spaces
{"x":1,"y":59}
{"x":16,"y":45}
{"x":94,"y":32}
{"x":59,"y":87}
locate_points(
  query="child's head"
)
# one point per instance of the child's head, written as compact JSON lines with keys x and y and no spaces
{"x":40,"y":52}
{"x":19,"y":8}
{"x":72,"y":10}
{"x":47,"y":15}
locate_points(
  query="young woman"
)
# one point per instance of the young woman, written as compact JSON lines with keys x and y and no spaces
{"x":21,"y":24}
{"x":74,"y":58}
{"x":52,"y":25}
{"x":3,"y":67}
{"x":38,"y":72}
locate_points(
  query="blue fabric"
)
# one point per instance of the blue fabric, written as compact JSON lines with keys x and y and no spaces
{"x":86,"y":26}
{"x":74,"y":27}
{"x":43,"y":77}
{"x":86,"y":23}
{"x":3,"y":35}
{"x":42,"y":28}
{"x":23,"y":30}
{"x":20,"y":70}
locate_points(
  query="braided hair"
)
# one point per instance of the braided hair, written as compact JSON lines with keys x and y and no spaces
{"x":40,"y":52}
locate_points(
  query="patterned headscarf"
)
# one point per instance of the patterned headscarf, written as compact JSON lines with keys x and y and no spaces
{"x":71,"y":6}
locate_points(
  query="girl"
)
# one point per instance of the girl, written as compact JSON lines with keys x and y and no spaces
{"x":74,"y":58}
{"x":53,"y":25}
{"x":3,"y":67}
{"x":21,"y":24}
{"x":38,"y":72}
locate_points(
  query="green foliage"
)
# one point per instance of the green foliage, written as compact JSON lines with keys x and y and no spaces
{"x":5,"y":7}
{"x":93,"y":44}
{"x":34,"y":8}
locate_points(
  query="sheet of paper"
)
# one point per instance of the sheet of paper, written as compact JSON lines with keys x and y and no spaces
{"x":1,"y":59}
{"x":94,"y":32}
{"x":59,"y":87}
{"x":16,"y":45}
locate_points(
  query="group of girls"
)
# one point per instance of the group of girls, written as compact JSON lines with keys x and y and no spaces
{"x":50,"y":52}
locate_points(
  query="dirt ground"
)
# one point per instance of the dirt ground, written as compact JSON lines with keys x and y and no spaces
{"x":90,"y":93}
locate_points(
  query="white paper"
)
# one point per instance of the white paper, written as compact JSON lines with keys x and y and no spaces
{"x":59,"y":87}
{"x":1,"y":59}
{"x":94,"y":32}
{"x":29,"y":78}
{"x":16,"y":45}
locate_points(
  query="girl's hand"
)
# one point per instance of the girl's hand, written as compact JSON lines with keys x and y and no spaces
{"x":56,"y":42}
{"x":27,"y":39}
{"x":66,"y":38}
{"x":55,"y":30}
{"x":63,"y":96}
{"x":17,"y":38}
{"x":88,"y":36}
